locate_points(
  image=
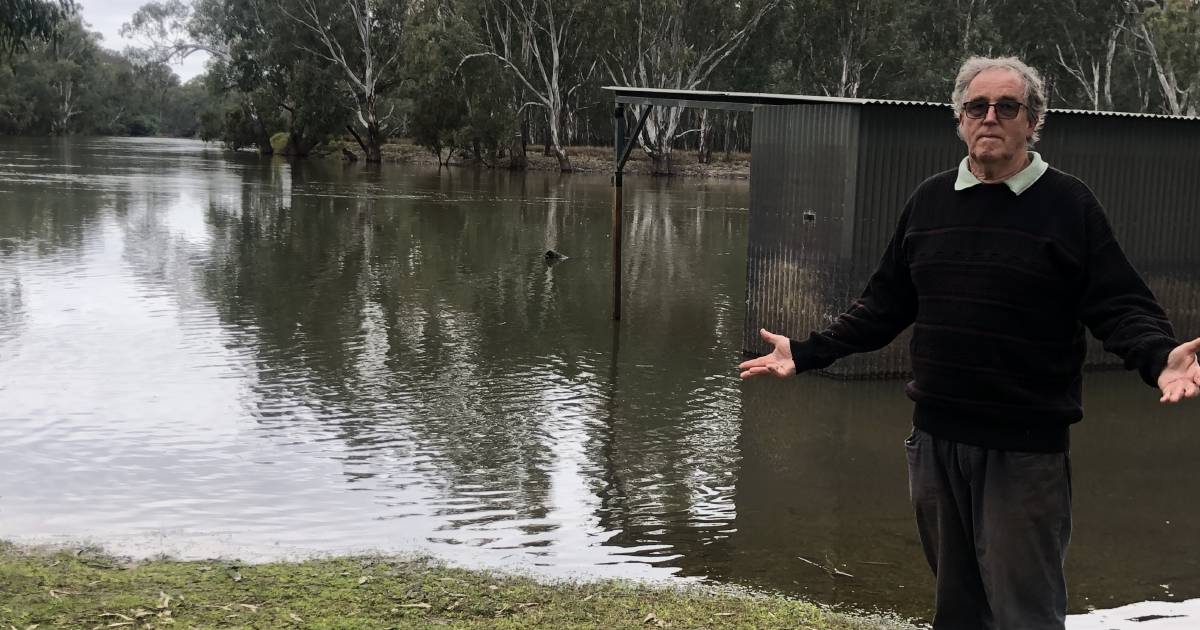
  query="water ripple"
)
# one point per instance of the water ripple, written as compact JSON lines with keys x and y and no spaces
{"x":205,"y":353}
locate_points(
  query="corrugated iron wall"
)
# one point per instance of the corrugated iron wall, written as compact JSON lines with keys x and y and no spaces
{"x":829,"y":181}
{"x":901,"y":146}
{"x":1146,"y":173}
{"x":803,"y":163}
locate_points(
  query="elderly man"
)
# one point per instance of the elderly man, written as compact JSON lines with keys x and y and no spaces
{"x":998,"y":264}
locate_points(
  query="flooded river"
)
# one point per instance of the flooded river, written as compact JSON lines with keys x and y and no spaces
{"x":204,"y":353}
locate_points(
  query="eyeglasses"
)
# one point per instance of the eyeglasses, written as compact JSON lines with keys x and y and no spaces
{"x":1005,"y":110}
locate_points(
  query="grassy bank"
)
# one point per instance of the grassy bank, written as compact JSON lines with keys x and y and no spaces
{"x":584,"y":159}
{"x":86,"y":589}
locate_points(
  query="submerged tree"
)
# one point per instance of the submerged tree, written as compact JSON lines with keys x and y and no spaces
{"x":453,"y":106}
{"x":363,"y":40}
{"x":300,"y":94}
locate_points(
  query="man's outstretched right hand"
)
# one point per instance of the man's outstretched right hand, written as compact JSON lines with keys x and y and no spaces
{"x":778,"y":363}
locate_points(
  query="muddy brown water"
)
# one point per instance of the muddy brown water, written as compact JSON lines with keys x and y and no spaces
{"x":204,"y":353}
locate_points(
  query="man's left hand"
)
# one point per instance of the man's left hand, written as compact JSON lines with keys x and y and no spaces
{"x":1181,"y":378}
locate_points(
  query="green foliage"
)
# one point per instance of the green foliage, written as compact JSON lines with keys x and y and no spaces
{"x":358,"y":44}
{"x":436,"y":119}
{"x":313,"y":101}
{"x":454,"y":105}
{"x":72,"y":85}
{"x":141,"y":125}
{"x":238,"y":126}
{"x":181,"y":115}
{"x":1173,"y":35}
{"x":212,"y":124}
{"x":260,"y":80}
{"x":22,"y":21}
{"x":1088,"y":51}
{"x":444,"y":84}
{"x":279,"y":141}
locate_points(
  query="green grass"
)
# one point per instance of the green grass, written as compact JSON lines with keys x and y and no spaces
{"x":87,"y":589}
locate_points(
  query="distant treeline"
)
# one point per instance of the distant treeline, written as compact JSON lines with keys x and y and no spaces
{"x":488,"y":78}
{"x":71,"y":85}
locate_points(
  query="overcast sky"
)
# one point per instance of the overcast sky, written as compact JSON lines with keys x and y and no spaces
{"x":107,"y":16}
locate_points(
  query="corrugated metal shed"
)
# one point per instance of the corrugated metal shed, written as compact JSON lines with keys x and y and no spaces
{"x":850,"y":166}
{"x":830,"y":176}
{"x":828,"y":181}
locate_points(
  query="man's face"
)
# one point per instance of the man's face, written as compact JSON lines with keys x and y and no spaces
{"x":992,"y":139}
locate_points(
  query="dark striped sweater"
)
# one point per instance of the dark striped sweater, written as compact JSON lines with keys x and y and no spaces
{"x":999,"y":288}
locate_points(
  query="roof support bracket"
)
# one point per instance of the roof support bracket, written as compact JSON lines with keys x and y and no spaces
{"x":625,"y":145}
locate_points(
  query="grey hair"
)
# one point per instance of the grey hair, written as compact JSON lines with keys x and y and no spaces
{"x":1035,"y":89}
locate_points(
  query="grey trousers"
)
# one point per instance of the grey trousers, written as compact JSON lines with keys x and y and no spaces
{"x":995,"y":527}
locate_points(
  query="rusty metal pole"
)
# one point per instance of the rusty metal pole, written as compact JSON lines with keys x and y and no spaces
{"x":617,"y":228}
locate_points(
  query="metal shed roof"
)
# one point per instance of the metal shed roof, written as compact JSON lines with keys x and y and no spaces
{"x":745,"y":101}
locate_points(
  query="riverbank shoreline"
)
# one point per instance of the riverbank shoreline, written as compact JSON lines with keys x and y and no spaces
{"x":86,"y":588}
{"x":584,"y":159}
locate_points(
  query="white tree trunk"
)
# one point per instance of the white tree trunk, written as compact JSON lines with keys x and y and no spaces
{"x":364,"y":66}
{"x":539,"y":42}
{"x":67,"y":111}
{"x":1108,"y":65}
{"x":654,"y":62}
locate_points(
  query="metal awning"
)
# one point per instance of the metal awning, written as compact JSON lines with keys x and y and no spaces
{"x":735,"y":101}
{"x":745,"y":101}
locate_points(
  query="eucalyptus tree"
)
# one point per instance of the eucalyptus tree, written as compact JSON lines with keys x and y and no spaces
{"x":175,"y":29}
{"x":63,"y":47}
{"x":675,"y":44}
{"x":25,"y":20}
{"x":109,"y":99}
{"x":837,"y":48}
{"x":453,"y":106}
{"x":935,"y":36}
{"x":1138,"y":55}
{"x":1086,"y":43}
{"x":155,"y":79}
{"x":47,"y":81}
{"x":256,"y":73}
{"x":436,"y":114}
{"x":362,"y":40}
{"x":544,"y":46}
{"x":72,"y":54}
{"x":262,"y":64}
{"x":1168,"y":37}
{"x":70,"y":85}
